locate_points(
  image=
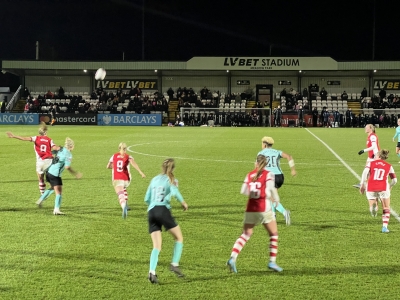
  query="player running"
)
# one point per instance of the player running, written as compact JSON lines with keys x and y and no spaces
{"x":259,"y":186}
{"x":378,"y":171}
{"x":158,"y":197}
{"x":273,"y":157}
{"x":121,"y":175}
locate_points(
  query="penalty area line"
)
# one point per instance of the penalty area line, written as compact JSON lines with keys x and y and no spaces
{"x":392,"y":211}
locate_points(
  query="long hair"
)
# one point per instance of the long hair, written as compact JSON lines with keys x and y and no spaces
{"x":122,"y":148}
{"x":261,"y":163}
{"x":69,"y":144}
{"x":43,"y":129}
{"x":168,"y":167}
{"x":383,"y":154}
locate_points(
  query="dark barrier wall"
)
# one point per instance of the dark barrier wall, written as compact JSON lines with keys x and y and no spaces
{"x":71,"y":119}
{"x":84,"y":119}
{"x":21,"y":119}
{"x":130,"y":119}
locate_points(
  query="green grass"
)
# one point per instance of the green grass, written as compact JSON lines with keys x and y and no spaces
{"x":333,"y":250}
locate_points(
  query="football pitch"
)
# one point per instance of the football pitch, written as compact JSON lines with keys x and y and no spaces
{"x":333,"y":250}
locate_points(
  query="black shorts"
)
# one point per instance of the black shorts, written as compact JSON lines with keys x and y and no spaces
{"x":53,"y":180}
{"x":160,"y":216}
{"x":279,"y":179}
{"x":398,"y":145}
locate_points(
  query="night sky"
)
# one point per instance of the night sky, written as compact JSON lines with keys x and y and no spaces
{"x":178,"y":30}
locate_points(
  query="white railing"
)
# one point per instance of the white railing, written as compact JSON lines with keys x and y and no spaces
{"x":11,"y":104}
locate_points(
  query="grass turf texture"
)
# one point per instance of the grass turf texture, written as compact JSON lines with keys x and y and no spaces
{"x":333,"y":249}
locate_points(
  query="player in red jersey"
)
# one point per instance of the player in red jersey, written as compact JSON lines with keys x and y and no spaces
{"x":259,"y":186}
{"x":43,"y":145}
{"x":377,"y":185}
{"x":372,"y":145}
{"x":121,"y":177}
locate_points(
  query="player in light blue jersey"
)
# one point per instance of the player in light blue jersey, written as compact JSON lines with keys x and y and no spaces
{"x":397,"y":135}
{"x":273,"y":165}
{"x":61,"y":161}
{"x":158,"y":196}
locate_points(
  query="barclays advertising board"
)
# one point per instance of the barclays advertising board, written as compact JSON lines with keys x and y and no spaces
{"x":129,"y":119}
{"x":19,"y":119}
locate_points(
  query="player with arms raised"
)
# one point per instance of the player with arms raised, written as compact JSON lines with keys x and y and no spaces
{"x":378,"y":171}
{"x":121,"y":176}
{"x":43,"y":145}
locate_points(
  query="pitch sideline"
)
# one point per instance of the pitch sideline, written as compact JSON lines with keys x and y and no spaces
{"x":392,"y":211}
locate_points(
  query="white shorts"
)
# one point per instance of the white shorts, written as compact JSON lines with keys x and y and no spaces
{"x":258,"y":217}
{"x":374,"y":195}
{"x":43,"y":164}
{"x":123,"y":183}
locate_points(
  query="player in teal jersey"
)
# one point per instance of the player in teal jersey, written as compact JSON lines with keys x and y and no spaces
{"x":273,"y":165}
{"x":397,"y":134}
{"x":158,"y":198}
{"x":61,"y":161}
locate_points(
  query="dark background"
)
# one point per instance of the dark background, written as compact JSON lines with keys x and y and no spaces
{"x":178,"y":30}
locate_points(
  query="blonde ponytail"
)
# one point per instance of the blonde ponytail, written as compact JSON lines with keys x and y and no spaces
{"x":168,"y":167}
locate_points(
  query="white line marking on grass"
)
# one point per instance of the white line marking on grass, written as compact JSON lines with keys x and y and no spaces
{"x":392,"y":211}
{"x":211,"y":160}
{"x":191,"y":158}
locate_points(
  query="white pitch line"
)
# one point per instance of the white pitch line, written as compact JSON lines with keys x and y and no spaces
{"x":392,"y":211}
{"x":216,"y":160}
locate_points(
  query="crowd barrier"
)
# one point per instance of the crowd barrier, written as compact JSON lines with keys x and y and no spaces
{"x":83,"y":119}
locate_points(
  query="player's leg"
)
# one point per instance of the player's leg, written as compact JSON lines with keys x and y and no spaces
{"x":277,"y":205}
{"x":127,"y":183}
{"x":170,"y":225}
{"x":40,"y":175}
{"x":157,"y":241}
{"x":156,"y":238}
{"x":50,"y":178}
{"x":398,"y":150}
{"x":272,"y":229}
{"x":385,"y":213}
{"x":177,"y":253}
{"x":241,"y":241}
{"x":58,"y":200}
{"x":119,"y":190}
{"x":373,"y":206}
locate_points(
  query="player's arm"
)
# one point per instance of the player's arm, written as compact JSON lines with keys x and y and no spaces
{"x":290,"y":161}
{"x":73,"y":172}
{"x":177,"y":194}
{"x":110,"y":163}
{"x":374,"y":147}
{"x":393,"y":177}
{"x":135,"y":165}
{"x":22,"y":138}
{"x":245,"y":188}
{"x":363,"y":180}
{"x":147,"y":197}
